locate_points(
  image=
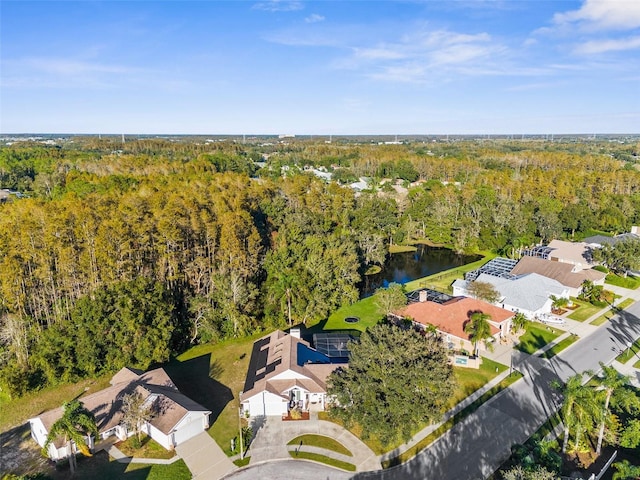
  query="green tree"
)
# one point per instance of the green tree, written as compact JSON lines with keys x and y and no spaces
{"x":136,"y":411}
{"x":611,"y":380}
{"x":391,"y":298}
{"x":591,"y":292}
{"x":625,"y":471}
{"x":380,"y":390}
{"x":479,"y":329}
{"x":579,"y":407}
{"x":620,"y":257}
{"x":483,"y":291}
{"x":519,"y":322}
{"x":558,"y":302}
{"x":74,"y":425}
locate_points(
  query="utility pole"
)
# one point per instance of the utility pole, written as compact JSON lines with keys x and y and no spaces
{"x":240,"y":427}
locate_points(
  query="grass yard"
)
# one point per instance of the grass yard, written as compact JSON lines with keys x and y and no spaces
{"x":366,"y":310}
{"x":560,"y":346}
{"x":148,"y":448}
{"x":321,"y":441}
{"x":631,"y":282}
{"x":402,"y":248}
{"x":584,"y":311}
{"x":606,"y":316}
{"x":433,"y":436}
{"x":629,"y":353}
{"x":213,"y":375}
{"x":536,"y":337}
{"x":16,"y":411}
{"x":470,"y":379}
{"x":242,"y":462}
{"x":322,"y":459}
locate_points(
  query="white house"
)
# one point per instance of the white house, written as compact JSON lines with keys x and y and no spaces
{"x":529,"y":294}
{"x":285,"y":373}
{"x":176,"y":417}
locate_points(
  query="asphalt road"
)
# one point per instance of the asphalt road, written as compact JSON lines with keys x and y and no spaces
{"x":477,"y":446}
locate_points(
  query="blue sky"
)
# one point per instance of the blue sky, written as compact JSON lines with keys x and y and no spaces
{"x":358,"y":67}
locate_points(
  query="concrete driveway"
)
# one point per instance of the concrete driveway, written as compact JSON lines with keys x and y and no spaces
{"x":205,"y":458}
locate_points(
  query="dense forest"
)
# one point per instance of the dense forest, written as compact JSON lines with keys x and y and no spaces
{"x":124,"y":254}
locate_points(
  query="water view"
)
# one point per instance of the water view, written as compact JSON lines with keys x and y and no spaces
{"x":406,"y":266}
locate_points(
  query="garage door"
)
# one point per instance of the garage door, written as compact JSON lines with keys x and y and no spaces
{"x":188,"y":431}
{"x":275,"y":408}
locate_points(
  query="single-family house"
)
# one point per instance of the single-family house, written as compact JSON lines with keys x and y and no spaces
{"x":176,"y":418}
{"x":578,"y":254}
{"x":568,"y":275}
{"x":598,"y":241}
{"x":285,"y":373}
{"x":449,"y":318}
{"x":529,"y":294}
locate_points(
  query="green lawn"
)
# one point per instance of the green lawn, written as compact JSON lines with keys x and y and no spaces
{"x":433,"y":436}
{"x":536,"y":337}
{"x":470,"y":379}
{"x":213,"y":375}
{"x":606,"y":316}
{"x":402,"y":248}
{"x":560,"y":346}
{"x":99,"y":467}
{"x":321,"y":441}
{"x":326,"y":460}
{"x":629,"y":353}
{"x":242,"y":462}
{"x":366,"y":310}
{"x":148,"y":448}
{"x":629,"y":282}
{"x":584,"y":311}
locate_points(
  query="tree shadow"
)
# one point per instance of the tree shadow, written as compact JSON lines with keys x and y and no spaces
{"x":194,"y":378}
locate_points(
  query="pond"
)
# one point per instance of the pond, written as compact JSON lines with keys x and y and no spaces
{"x":406,"y":266}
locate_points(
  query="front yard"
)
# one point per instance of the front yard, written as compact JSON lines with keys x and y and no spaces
{"x":536,"y":337}
{"x":584,"y":311}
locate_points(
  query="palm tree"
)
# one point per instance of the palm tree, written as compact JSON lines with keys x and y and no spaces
{"x":558,"y":302}
{"x":577,"y":406}
{"x":478,"y":329}
{"x":284,"y":288}
{"x":518,"y":322}
{"x":74,"y":425}
{"x":569,"y":392}
{"x":611,"y":381}
{"x":587,"y":412}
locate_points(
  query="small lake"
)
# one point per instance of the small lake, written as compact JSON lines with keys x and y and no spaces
{"x":407,"y":266}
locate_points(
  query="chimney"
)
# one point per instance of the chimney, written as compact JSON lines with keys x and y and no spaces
{"x":635,"y":229}
{"x":422,"y":296}
{"x":295,"y":332}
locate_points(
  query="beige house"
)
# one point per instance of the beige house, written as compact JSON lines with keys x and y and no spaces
{"x":176,"y":417}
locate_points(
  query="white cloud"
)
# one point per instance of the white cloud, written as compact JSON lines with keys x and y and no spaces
{"x":278,"y":6}
{"x":602,"y":46}
{"x":314,"y":18}
{"x":603,"y":14}
{"x":422,"y":56}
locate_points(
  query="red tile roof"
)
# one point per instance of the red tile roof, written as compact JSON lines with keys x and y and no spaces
{"x":450,"y":317}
